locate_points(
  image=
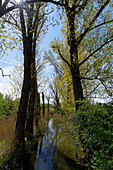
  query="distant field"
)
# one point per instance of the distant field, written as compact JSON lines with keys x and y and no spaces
{"x":7,"y":128}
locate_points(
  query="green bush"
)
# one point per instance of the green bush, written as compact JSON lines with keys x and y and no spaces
{"x":7,"y":106}
{"x":61,"y":111}
{"x":94,"y":124}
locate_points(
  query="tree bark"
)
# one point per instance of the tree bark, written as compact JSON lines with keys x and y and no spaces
{"x":21,"y":115}
{"x":43,"y":104}
{"x":77,"y":86}
{"x":48,"y":106}
{"x":37,"y":107}
{"x":29,"y":126}
{"x":57,"y":101}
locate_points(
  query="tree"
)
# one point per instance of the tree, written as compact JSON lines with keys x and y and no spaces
{"x":54,"y":95}
{"x":6,"y":7}
{"x":16,"y":77}
{"x":85,"y":21}
{"x":30,"y":32}
{"x":80,"y":28}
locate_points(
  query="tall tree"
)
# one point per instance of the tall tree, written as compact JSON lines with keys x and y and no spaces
{"x":54,"y":95}
{"x":85,"y":21}
{"x":30,"y":32}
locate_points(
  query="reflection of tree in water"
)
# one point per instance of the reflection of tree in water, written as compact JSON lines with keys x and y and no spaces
{"x":30,"y":158}
{"x":40,"y":149}
{"x":51,"y":153}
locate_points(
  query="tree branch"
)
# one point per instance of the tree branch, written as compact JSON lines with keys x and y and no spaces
{"x":59,"y":52}
{"x":3,"y":73}
{"x":82,"y":62}
{"x":102,"y":82}
{"x":92,"y":91}
{"x":54,"y":63}
{"x":46,"y":1}
{"x":22,"y":22}
{"x":96,"y":26}
{"x":5,"y":11}
{"x":80,"y":38}
{"x":5,"y":3}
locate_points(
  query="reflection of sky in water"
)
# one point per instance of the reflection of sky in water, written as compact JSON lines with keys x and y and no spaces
{"x":44,"y":155}
{"x":49,"y":155}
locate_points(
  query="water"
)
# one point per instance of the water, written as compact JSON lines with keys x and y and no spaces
{"x":54,"y":151}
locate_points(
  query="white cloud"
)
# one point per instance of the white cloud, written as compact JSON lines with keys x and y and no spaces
{"x":7,"y":62}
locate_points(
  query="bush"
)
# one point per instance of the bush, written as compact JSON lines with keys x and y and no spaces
{"x":7,"y":106}
{"x":94,"y":124}
{"x":61,"y":111}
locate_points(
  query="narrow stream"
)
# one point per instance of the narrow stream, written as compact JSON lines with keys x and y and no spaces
{"x":54,"y":151}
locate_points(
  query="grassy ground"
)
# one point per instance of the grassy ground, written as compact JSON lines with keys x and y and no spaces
{"x":63,"y":122}
{"x":7,"y":128}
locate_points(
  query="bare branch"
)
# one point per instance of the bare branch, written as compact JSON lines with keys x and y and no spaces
{"x":54,"y":63}
{"x":5,"y":11}
{"x":5,"y":3}
{"x":92,"y":91}
{"x":3,"y":73}
{"x":102,"y":82}
{"x":46,"y":1}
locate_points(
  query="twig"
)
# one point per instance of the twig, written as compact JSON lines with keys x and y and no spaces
{"x":3,"y":73}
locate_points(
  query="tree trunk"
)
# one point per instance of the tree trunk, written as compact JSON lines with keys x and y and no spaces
{"x":21,"y":115}
{"x":57,"y":101}
{"x":48,"y":106}
{"x":29,"y":126}
{"x":72,"y":42}
{"x":77,"y":87}
{"x":37,"y":107}
{"x":43,"y":104}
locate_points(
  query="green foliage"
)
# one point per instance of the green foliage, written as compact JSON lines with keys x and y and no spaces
{"x":61,"y":111}
{"x":30,"y":144}
{"x":7,"y":106}
{"x":94,"y":124}
{"x":4,"y":159}
{"x":58,"y":120}
{"x":42,"y":126}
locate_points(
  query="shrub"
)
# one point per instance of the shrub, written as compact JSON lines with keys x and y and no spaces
{"x":61,"y":111}
{"x":7,"y":106}
{"x":94,"y":123}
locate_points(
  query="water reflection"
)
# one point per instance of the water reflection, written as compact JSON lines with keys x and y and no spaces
{"x":55,"y":150}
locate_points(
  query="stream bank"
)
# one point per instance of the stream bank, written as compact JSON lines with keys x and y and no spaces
{"x":54,"y":150}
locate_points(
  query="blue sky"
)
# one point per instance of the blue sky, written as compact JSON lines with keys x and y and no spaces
{"x":7,"y":62}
